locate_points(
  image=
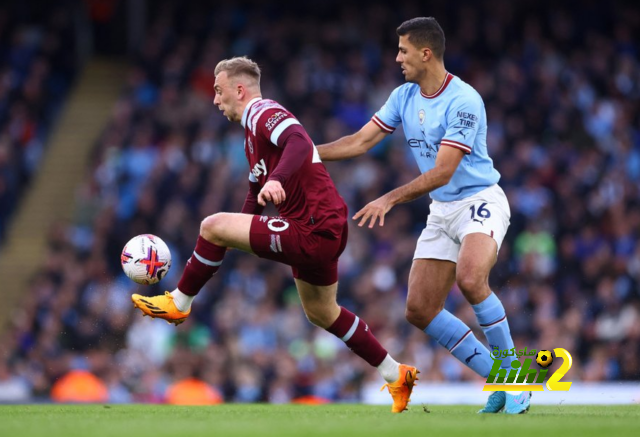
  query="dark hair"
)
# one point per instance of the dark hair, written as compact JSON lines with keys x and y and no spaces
{"x":424,"y":32}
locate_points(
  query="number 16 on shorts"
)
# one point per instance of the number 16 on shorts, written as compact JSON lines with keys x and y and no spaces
{"x":481,"y":213}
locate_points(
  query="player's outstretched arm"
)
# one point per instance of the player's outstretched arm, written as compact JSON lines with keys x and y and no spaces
{"x":447,"y":161}
{"x":352,"y":145}
{"x":297,"y":148}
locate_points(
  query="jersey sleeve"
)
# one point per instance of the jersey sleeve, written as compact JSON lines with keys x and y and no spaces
{"x":463,"y":120}
{"x":274,"y":124}
{"x":388,"y":117}
{"x":251,"y":205}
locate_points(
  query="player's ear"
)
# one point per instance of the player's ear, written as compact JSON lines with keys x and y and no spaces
{"x":426,"y":54}
{"x":240,"y":91}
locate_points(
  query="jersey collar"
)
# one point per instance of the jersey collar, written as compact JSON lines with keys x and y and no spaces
{"x":446,"y":81}
{"x":247,"y":108}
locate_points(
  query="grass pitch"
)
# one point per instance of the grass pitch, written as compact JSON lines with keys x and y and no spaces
{"x":307,"y":421}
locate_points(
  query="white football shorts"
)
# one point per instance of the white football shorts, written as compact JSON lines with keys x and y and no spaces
{"x":448,"y":223}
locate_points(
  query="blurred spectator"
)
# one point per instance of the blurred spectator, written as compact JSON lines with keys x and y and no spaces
{"x":37,"y":67}
{"x":13,"y":389}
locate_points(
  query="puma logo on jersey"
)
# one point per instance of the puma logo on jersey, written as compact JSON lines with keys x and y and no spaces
{"x":259,"y":169}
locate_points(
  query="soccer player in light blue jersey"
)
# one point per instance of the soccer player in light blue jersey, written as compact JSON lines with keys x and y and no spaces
{"x":445,"y":124}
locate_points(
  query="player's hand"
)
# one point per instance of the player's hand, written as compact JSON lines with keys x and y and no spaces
{"x":374,"y":210}
{"x":272,"y":192}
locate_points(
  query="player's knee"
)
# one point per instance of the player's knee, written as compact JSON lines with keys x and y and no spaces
{"x":418,"y":317}
{"x":212,"y":227}
{"x":317,"y":317}
{"x":471,"y":282}
{"x":421,"y":317}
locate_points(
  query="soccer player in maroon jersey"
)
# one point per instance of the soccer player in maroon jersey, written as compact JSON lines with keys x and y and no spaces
{"x":309,"y":235}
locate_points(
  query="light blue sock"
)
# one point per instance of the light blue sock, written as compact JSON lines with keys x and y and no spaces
{"x":493,"y":321}
{"x":457,"y":337}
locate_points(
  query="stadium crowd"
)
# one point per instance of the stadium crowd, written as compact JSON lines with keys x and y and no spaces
{"x":37,"y":67}
{"x":562,"y":95}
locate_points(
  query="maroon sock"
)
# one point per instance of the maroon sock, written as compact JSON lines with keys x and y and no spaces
{"x":202,"y":265}
{"x":356,"y":334}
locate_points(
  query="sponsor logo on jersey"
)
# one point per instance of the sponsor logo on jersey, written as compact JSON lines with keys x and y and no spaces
{"x":258,"y":109}
{"x":259,"y":169}
{"x":466,"y":120}
{"x":250,"y":144}
{"x":421,"y":116}
{"x":274,"y":119}
{"x":427,"y":150}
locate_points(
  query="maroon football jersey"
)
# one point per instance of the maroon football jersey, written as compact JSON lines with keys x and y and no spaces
{"x":312,"y":198}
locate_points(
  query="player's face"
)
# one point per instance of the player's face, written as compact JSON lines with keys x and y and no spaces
{"x":410,"y":60}
{"x":226,"y":98}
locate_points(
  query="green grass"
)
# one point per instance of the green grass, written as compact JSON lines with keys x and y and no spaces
{"x":308,"y":421}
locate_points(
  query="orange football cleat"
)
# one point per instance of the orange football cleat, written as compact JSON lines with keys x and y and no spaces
{"x":160,"y":306}
{"x":401,"y":389}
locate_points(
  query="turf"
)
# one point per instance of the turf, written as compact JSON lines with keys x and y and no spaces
{"x":307,"y":421}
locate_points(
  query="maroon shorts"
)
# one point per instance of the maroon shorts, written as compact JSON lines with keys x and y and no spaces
{"x":313,"y":257}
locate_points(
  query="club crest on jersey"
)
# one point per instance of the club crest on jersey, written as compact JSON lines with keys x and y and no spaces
{"x":421,"y":116}
{"x":274,"y":119}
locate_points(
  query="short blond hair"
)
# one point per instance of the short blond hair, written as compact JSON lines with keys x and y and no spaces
{"x":239,"y":66}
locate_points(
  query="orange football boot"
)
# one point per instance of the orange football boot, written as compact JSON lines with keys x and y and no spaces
{"x":160,"y":306}
{"x":401,"y":389}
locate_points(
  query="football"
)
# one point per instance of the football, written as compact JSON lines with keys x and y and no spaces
{"x":544,"y":358}
{"x":145,"y":259}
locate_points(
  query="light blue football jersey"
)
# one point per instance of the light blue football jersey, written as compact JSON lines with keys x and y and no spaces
{"x":454,"y":116}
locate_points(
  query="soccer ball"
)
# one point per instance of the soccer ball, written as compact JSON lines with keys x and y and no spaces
{"x":145,"y":259}
{"x":544,"y":358}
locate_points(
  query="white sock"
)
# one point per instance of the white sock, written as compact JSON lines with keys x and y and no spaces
{"x":182,"y":301}
{"x":389,"y":369}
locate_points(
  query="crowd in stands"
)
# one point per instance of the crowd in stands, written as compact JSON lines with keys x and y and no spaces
{"x":37,"y":67}
{"x":561,"y":87}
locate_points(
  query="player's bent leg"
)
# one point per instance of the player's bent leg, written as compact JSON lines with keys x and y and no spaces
{"x":319,"y":302}
{"x":217,"y":233}
{"x":476,"y":259}
{"x":228,"y":230}
{"x":429,"y":283}
{"x":320,"y":306}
